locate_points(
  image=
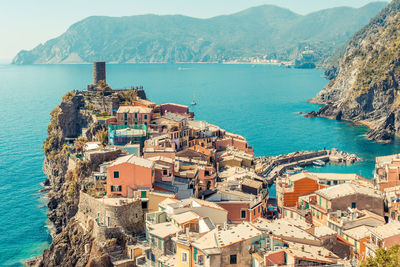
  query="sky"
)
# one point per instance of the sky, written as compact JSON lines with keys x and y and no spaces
{"x":25,"y":24}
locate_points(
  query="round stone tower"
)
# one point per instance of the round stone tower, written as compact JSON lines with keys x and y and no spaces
{"x":99,"y":71}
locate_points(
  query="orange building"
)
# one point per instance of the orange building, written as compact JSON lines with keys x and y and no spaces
{"x":289,"y":189}
{"x":129,"y":173}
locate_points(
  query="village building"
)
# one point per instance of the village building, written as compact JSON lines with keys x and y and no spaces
{"x":240,"y":206}
{"x":384,"y":236}
{"x":340,"y":197}
{"x":134,"y":115}
{"x":128,"y":174}
{"x":223,"y":246}
{"x":387,"y":171}
{"x":174,"y":108}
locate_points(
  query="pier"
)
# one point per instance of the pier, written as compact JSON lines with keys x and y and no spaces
{"x":272,"y":167}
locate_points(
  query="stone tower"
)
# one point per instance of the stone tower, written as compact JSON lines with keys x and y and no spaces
{"x":99,"y":71}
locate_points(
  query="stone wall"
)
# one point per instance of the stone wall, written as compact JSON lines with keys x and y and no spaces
{"x":373,"y":204}
{"x":128,"y":215}
{"x":98,"y":157}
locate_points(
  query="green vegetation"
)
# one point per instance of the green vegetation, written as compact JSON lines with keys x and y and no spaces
{"x":68,"y":97}
{"x":384,"y":258}
{"x":255,"y":32}
{"x":102,"y":137}
{"x":79,"y":144}
{"x":379,"y":62}
{"x":128,"y":96}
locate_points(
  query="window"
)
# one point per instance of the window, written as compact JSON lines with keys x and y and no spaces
{"x":243,"y":214}
{"x":144,"y":205}
{"x":200,"y":260}
{"x":184,"y":257}
{"x":320,"y":201}
{"x":335,"y":182}
{"x":329,"y":182}
{"x":145,"y":116}
{"x":233,"y":259}
{"x":165,"y":172}
{"x":116,"y":174}
{"x":195,"y":254}
{"x":159,"y":243}
{"x":116,"y":188}
{"x":143,"y":194}
{"x":125,"y":116}
{"x":353,"y":205}
{"x":135,"y":115}
{"x":254,"y":212}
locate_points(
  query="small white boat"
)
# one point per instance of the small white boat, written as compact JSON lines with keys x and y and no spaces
{"x":194,"y":101}
{"x":298,"y":168}
{"x":319,"y":162}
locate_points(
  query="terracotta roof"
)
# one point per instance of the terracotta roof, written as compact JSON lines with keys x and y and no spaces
{"x":283,"y":228}
{"x":185,"y":217}
{"x":347,"y":189}
{"x":387,"y":230}
{"x":163,"y":230}
{"x":359,"y":232}
{"x":223,"y":237}
{"x":252,"y":183}
{"x":132,"y":159}
{"x":201,"y":149}
{"x":134,"y":109}
{"x":206,"y":203}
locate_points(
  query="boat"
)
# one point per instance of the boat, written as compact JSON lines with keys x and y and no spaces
{"x":297,"y":168}
{"x":291,"y":172}
{"x":319,"y":162}
{"x":194,"y":101}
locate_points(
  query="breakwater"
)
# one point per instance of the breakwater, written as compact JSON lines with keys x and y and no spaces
{"x":272,"y":167}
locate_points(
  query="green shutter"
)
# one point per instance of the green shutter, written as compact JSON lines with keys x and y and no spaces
{"x":143,"y":194}
{"x":195,"y":254}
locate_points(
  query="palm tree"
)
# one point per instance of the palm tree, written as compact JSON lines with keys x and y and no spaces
{"x":79,"y":144}
{"x":101,"y":136}
{"x":103,"y":87}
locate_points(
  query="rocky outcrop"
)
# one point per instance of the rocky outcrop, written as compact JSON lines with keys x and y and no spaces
{"x":71,"y":245}
{"x":365,"y":84}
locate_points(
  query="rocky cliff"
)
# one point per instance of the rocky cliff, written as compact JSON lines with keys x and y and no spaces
{"x":365,"y":82}
{"x":71,"y":244}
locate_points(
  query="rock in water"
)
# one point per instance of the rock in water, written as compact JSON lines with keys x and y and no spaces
{"x":365,"y":87}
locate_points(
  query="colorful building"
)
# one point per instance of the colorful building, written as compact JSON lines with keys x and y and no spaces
{"x":129,"y":173}
{"x":133,"y":115}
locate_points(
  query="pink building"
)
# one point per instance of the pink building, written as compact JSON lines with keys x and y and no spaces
{"x":129,"y":173}
{"x":132,"y":115}
{"x":234,"y":140}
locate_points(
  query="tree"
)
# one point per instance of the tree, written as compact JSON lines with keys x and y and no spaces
{"x":384,"y":258}
{"x":79,"y":144}
{"x":102,"y":137}
{"x":103,"y":87}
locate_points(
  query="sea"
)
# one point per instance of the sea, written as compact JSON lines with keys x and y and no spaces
{"x":261,"y":102}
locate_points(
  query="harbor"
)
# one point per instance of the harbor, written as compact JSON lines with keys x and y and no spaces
{"x":272,"y":167}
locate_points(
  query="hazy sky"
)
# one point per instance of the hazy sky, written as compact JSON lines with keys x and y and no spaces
{"x":26,"y":23}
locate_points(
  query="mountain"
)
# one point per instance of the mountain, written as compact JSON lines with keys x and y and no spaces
{"x":365,"y":83}
{"x":255,"y":32}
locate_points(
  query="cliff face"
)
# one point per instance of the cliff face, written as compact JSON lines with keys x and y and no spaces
{"x":71,"y":245}
{"x":364,"y":85}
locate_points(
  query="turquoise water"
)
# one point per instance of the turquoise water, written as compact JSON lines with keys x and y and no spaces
{"x":259,"y":102}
